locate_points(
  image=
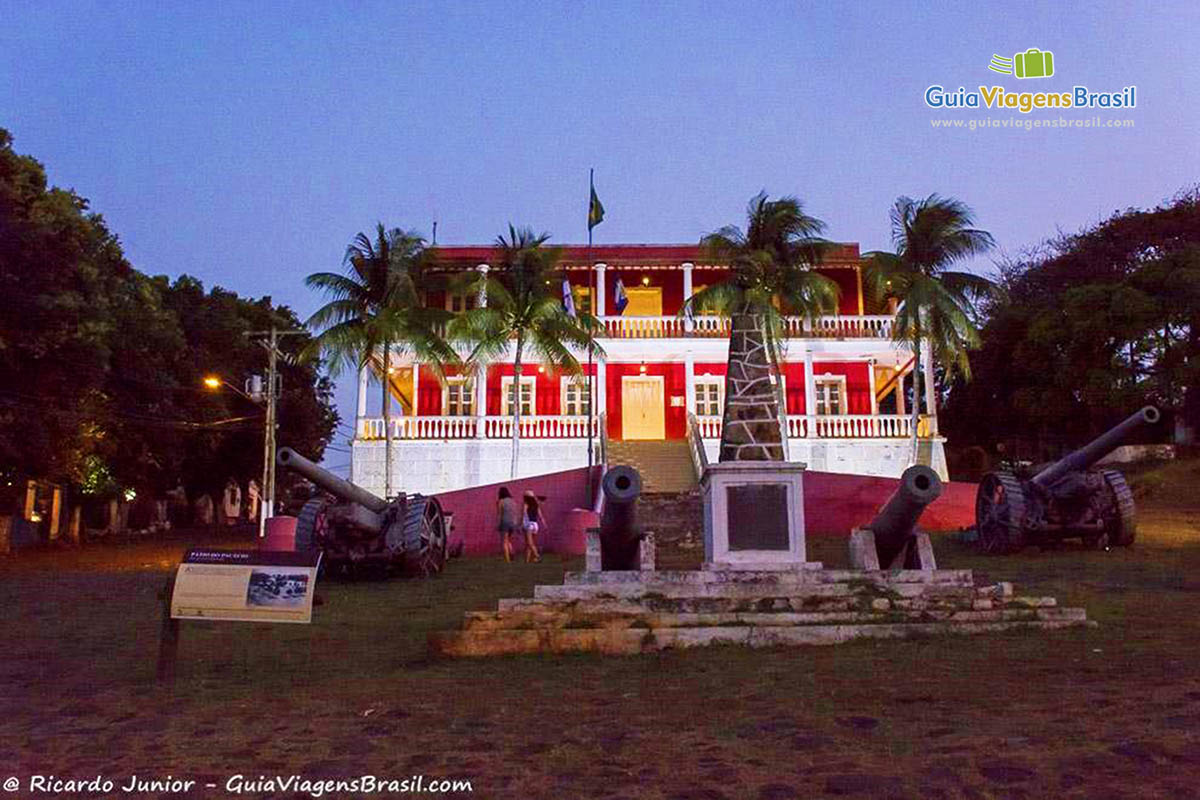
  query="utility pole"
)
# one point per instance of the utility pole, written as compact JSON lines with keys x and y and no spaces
{"x":273,"y":388}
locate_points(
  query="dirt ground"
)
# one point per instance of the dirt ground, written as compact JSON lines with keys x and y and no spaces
{"x":1110,"y":712}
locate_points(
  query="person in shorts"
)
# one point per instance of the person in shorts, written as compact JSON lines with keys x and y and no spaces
{"x":508,"y":511}
{"x":531,"y":523}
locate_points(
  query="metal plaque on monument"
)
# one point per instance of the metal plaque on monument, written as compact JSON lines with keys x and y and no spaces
{"x":754,"y":515}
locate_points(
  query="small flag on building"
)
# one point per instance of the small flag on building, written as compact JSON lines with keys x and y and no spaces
{"x":568,"y":298}
{"x":620,"y":299}
{"x":595,"y":209}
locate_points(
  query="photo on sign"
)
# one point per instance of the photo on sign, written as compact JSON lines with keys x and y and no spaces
{"x":273,"y":587}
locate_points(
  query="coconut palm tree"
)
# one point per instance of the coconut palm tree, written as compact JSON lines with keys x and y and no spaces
{"x":936,"y":304}
{"x":378,"y":305}
{"x":771,"y":275}
{"x":525,"y":311}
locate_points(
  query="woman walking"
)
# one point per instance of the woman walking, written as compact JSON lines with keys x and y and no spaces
{"x":507,"y":510}
{"x":533,"y":522}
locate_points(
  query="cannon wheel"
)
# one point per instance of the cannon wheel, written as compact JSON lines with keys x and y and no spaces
{"x":1000,"y":513}
{"x":311,"y":525}
{"x":425,"y":536}
{"x":1122,"y":527}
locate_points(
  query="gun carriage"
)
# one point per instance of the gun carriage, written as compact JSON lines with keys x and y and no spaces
{"x":356,"y":530}
{"x":1069,"y":498}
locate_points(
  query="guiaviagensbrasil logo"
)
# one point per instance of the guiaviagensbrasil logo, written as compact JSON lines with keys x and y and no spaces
{"x":1032,"y":63}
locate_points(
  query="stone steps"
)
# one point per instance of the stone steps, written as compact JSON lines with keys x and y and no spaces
{"x":665,"y":466}
{"x":634,"y":612}
{"x":811,"y":574}
{"x":647,"y":620}
{"x":748,"y":590}
{"x":629,"y":641}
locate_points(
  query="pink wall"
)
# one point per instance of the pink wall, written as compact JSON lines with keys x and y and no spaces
{"x":835,"y":504}
{"x":475,"y":519}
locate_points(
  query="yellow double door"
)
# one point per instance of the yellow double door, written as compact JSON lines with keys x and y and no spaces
{"x":643,"y":407}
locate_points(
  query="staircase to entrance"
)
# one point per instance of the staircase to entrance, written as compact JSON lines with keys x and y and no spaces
{"x":670,"y":505}
{"x":665,"y":465}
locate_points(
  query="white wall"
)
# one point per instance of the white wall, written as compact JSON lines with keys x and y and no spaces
{"x":441,"y":466}
{"x":429,"y":467}
{"x":883,"y":458}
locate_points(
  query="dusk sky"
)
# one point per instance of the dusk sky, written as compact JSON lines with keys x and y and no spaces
{"x":246,"y":143}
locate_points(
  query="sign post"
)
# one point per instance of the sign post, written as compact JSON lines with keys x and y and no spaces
{"x":235,"y":586}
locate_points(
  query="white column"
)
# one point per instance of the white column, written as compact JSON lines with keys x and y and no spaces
{"x":930,"y":389}
{"x":871,"y":387}
{"x":598,"y":300}
{"x":364,"y":376}
{"x":416,"y":373}
{"x":602,"y":387}
{"x":687,"y":292}
{"x":810,"y":395}
{"x":481,"y":372}
{"x":480,"y":399}
{"x":481,"y":298}
{"x":689,"y":383}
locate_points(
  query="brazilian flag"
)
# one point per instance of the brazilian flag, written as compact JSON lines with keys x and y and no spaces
{"x":595,"y":209}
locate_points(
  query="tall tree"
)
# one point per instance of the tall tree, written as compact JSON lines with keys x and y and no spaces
{"x":524,"y":311}
{"x":771,"y":276}
{"x":936,"y":304}
{"x":379,"y":304}
{"x":1111,"y":318}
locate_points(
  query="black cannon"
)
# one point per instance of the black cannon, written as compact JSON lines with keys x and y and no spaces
{"x":620,"y":531}
{"x":357,"y":531}
{"x":895,"y":526}
{"x":1065,"y":499}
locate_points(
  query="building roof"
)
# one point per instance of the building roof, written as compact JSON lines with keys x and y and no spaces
{"x":616,"y":255}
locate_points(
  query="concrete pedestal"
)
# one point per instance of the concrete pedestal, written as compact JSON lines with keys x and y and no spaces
{"x":754,"y":515}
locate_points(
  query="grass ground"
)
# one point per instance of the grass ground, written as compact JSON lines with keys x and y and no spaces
{"x":1107,"y":712}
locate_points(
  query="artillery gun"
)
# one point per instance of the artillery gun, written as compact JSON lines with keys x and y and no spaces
{"x":358,"y":531}
{"x":620,"y":531}
{"x":894,"y":528}
{"x":1066,"y":499}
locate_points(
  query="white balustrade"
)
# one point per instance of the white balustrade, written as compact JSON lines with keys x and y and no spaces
{"x":837,"y":426}
{"x":709,"y":427}
{"x":825,"y":327}
{"x":497,"y":427}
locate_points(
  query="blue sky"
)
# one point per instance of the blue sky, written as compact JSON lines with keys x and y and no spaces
{"x":246,"y":143}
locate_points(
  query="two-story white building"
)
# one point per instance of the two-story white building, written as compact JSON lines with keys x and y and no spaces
{"x":842,"y":378}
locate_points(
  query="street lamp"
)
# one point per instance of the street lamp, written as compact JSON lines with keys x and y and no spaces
{"x":254,"y":393}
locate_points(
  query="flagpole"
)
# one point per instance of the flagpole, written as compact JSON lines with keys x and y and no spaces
{"x":592,"y":312}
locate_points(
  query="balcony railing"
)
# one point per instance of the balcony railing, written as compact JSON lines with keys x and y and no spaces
{"x":834,"y":426}
{"x":443,"y":428}
{"x":826,"y":327}
{"x":838,"y":426}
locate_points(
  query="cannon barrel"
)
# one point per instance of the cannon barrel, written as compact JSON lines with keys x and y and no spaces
{"x":896,"y":522}
{"x":1096,"y":449}
{"x":331,"y":483}
{"x":619,"y":528}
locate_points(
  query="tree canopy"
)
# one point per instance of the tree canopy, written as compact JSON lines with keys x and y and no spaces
{"x":1091,"y":327}
{"x":102,"y":366}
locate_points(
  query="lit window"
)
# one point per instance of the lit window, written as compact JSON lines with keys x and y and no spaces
{"x":527,"y":385}
{"x":575,"y":398}
{"x":709,"y":393}
{"x":460,"y":397}
{"x":831,"y":396}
